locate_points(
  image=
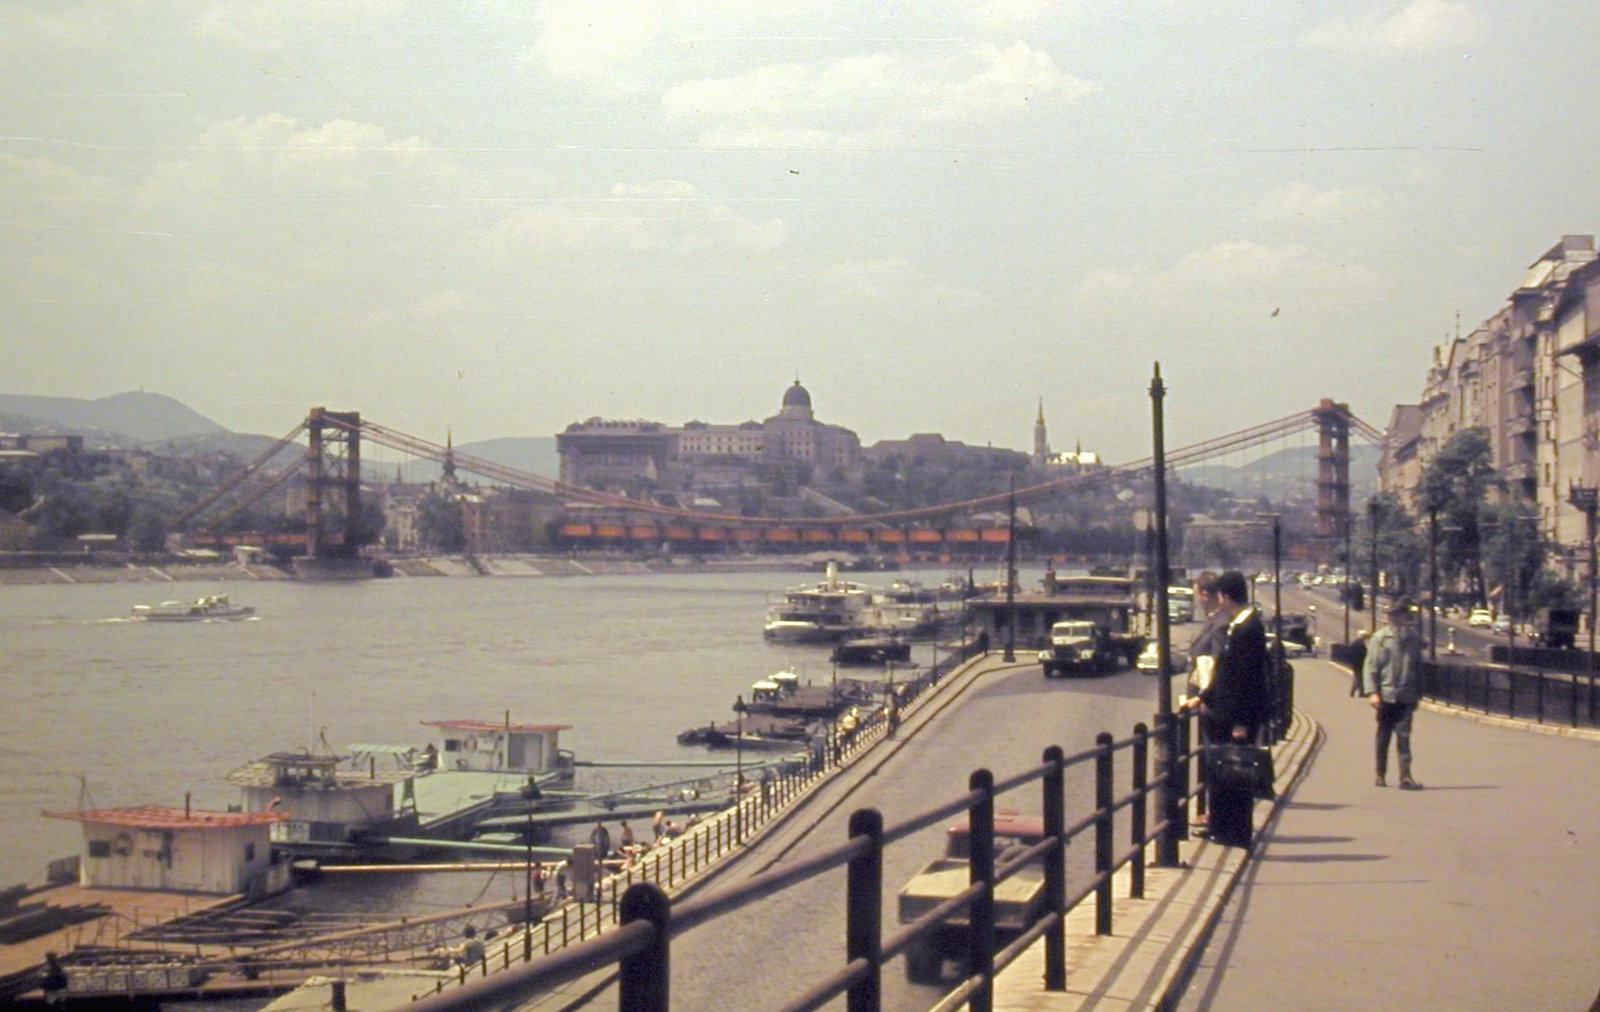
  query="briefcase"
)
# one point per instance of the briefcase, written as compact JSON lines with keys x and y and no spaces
{"x":1241,"y":768}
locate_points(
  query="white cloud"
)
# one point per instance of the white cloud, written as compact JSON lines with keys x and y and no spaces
{"x":659,"y":216}
{"x":339,"y":157}
{"x":1226,"y":271}
{"x":596,"y":41}
{"x":865,"y":98}
{"x":1301,"y":202}
{"x":1419,"y":26}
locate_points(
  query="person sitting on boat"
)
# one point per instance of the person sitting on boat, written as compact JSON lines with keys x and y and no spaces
{"x":625,"y":838}
{"x":430,"y":757}
{"x":658,"y":824}
{"x":471,"y":947}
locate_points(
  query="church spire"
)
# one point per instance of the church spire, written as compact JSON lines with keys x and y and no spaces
{"x":1041,"y":441}
{"x":449,"y":475}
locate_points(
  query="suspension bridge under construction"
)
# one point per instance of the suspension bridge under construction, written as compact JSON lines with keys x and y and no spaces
{"x":336,"y":526}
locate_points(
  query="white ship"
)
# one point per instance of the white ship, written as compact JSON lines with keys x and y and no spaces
{"x":217,"y":606}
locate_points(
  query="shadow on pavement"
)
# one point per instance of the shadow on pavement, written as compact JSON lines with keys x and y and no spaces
{"x":1321,"y":858}
{"x":1277,"y":839}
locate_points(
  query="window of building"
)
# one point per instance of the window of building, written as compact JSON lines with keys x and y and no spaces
{"x":249,"y":852}
{"x":99,"y":848}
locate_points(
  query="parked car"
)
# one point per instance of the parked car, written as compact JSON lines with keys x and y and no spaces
{"x":1501,"y":625}
{"x":1480,"y":618}
{"x":1149,"y":662}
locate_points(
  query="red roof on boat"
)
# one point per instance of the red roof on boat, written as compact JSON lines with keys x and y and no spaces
{"x":159,"y":817}
{"x":485,"y":726}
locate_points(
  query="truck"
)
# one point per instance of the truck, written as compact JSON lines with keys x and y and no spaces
{"x":1558,"y":627}
{"x":1079,"y":646}
{"x":1019,"y":901}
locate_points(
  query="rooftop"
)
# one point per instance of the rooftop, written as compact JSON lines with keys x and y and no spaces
{"x":159,"y":817}
{"x":491,"y":726}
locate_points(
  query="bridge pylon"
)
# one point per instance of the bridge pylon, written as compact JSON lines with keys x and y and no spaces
{"x":334,"y":525}
{"x":1333,"y":477}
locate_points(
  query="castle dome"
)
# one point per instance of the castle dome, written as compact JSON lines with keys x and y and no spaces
{"x":797,"y":397}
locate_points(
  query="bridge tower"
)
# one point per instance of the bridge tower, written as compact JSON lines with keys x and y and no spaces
{"x":1333,"y":477}
{"x":334,"y":526}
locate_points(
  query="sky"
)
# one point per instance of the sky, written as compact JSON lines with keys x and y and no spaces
{"x":500,"y":218}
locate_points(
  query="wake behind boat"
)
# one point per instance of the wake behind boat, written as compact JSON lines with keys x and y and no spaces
{"x":216,"y":606}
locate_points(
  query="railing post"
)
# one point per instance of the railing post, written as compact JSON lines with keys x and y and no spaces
{"x":1141,"y":748}
{"x":1055,"y":871}
{"x":1540,"y":676}
{"x":644,"y":977}
{"x":980,"y":868}
{"x":1169,"y":798}
{"x":863,"y":930}
{"x":1103,"y":842}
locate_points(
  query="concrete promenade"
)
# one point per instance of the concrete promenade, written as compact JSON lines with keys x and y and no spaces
{"x":1480,"y":892}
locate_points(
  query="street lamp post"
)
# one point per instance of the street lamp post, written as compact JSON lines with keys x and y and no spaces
{"x":1170,"y":798}
{"x":1433,"y":586}
{"x":1347,"y":526}
{"x":1373,"y":509}
{"x":1011,"y":572}
{"x":738,"y":766}
{"x":1587,"y":498}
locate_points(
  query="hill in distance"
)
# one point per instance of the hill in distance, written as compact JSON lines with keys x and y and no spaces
{"x":136,"y":416}
{"x":1286,"y":473}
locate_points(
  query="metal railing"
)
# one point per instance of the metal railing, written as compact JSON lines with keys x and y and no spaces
{"x":1540,"y":696}
{"x":647,"y":920}
{"x":674,"y":861}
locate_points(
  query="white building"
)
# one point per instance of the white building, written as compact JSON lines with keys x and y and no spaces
{"x":178,"y":850}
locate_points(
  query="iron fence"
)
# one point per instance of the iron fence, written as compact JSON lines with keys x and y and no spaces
{"x":1540,"y":696}
{"x":647,"y":921}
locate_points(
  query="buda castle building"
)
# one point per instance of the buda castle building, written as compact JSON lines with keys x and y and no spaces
{"x":599,"y":453}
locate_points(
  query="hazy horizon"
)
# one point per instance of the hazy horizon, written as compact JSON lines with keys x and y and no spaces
{"x":505,"y":218}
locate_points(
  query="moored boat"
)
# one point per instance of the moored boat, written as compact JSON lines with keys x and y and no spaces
{"x":823,"y":612}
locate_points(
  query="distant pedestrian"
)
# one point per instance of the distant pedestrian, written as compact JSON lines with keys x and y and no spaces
{"x":658,"y":825}
{"x":1392,"y":680}
{"x":1235,"y":703}
{"x":625,"y":838}
{"x":601,"y":838}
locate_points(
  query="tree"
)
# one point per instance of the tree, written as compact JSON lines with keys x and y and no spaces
{"x":439,"y":523}
{"x":1455,"y":485}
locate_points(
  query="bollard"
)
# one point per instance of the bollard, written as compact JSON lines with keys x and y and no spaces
{"x":1141,"y":747}
{"x":864,"y":911}
{"x":980,"y":868}
{"x":644,"y":978}
{"x":336,"y":1000}
{"x":1103,"y":841}
{"x":1055,"y":871}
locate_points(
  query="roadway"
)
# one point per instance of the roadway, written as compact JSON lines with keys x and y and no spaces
{"x":767,"y":953}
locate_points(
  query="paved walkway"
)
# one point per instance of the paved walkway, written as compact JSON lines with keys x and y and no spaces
{"x":1480,"y":892}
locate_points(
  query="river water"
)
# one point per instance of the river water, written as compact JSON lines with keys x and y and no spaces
{"x":103,"y":710}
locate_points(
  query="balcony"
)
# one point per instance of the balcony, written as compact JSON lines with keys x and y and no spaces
{"x":1520,"y":472}
{"x":1523,"y":426}
{"x":1522,"y":379}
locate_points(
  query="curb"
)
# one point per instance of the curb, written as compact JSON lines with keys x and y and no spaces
{"x":1158,"y":942}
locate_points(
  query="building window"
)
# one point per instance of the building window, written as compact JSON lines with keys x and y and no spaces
{"x":99,"y":848}
{"x":249,"y":852}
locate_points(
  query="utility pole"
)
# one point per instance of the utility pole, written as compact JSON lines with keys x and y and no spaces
{"x":1587,"y":499}
{"x":1433,"y":585}
{"x":1170,"y":797}
{"x":1373,"y":509}
{"x":1348,"y":523}
{"x":1011,"y":572}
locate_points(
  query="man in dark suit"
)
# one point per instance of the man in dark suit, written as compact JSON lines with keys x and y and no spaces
{"x":1236,"y":702}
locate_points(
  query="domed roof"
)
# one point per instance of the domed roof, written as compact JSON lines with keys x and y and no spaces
{"x":796,"y":397}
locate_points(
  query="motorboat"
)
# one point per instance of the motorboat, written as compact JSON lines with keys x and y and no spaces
{"x":823,"y":612}
{"x":215,"y":606}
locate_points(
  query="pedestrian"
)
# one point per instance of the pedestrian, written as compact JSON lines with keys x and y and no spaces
{"x":1392,"y":681}
{"x":625,"y":836}
{"x":1235,"y":703}
{"x":601,"y":838}
{"x":471,"y":947}
{"x":1358,"y":662}
{"x":1203,"y":651}
{"x":658,"y":824}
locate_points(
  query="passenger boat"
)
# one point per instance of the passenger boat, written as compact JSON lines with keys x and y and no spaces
{"x":824,"y":612}
{"x":216,"y":606}
{"x":873,"y":651}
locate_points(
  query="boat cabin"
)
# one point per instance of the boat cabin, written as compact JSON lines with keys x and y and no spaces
{"x":322,"y":802}
{"x":489,"y":747}
{"x":179,"y":850}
